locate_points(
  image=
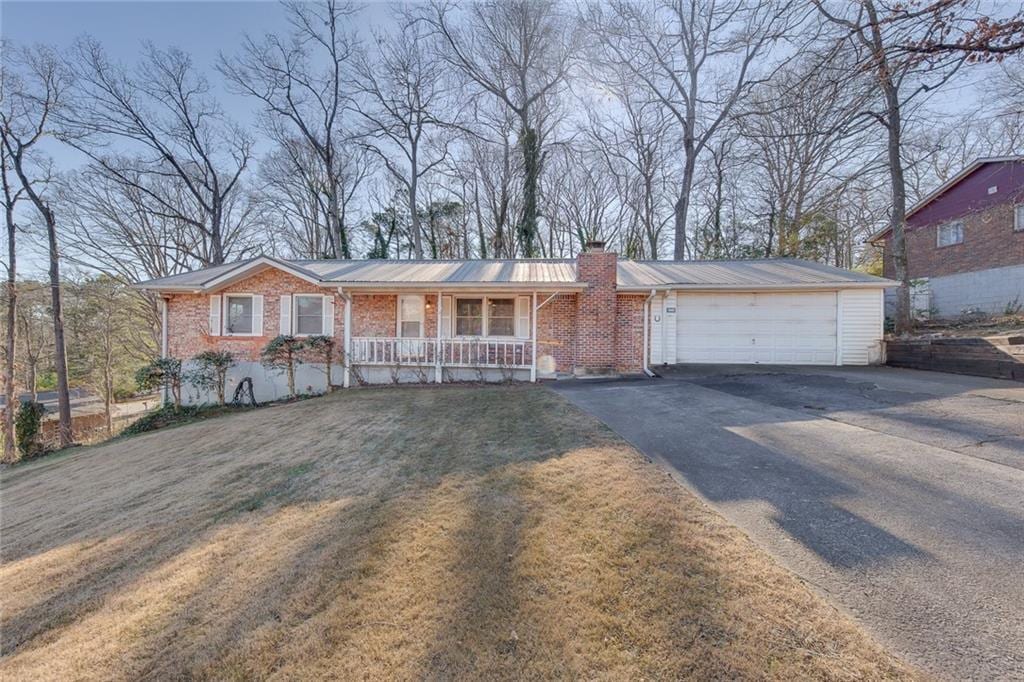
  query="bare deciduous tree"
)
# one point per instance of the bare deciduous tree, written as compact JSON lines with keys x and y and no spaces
{"x":184,"y":158}
{"x":697,"y":58}
{"x":406,"y":102}
{"x":876,"y":36}
{"x":302,"y":82}
{"x":35,"y":86}
{"x":520,"y":52}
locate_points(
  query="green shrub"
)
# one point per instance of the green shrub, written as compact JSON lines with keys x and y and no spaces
{"x":211,"y":371}
{"x":161,"y":373}
{"x":320,"y":349}
{"x":27,"y":428}
{"x":158,"y":419}
{"x":283,"y":353}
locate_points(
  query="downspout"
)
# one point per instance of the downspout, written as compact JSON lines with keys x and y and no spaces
{"x":346,"y":374}
{"x":647,"y":317}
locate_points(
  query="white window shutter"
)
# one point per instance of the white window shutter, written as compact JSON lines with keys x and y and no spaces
{"x":257,"y":315}
{"x":446,"y":317}
{"x":328,"y":329}
{"x":523,"y":317}
{"x":286,"y":315}
{"x":214,"y":322}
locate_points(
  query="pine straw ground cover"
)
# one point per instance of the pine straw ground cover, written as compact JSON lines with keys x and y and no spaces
{"x":396,"y":533}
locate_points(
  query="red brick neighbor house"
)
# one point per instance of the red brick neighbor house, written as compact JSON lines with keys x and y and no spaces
{"x":965,"y":241}
{"x":435,"y":321}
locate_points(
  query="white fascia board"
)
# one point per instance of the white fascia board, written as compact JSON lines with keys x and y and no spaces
{"x":817,"y":286}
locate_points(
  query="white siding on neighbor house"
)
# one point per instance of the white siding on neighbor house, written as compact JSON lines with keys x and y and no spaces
{"x":860,"y":326}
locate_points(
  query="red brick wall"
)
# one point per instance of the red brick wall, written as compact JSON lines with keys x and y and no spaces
{"x":629,"y":332}
{"x":989,"y":242}
{"x":595,"y":328}
{"x":556,"y":330}
{"x":188,"y":316}
{"x":374,"y":314}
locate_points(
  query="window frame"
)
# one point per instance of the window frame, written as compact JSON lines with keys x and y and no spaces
{"x":485,"y":325}
{"x":946,"y":225}
{"x":225,"y":308}
{"x":422,"y":316}
{"x":1018,"y":217}
{"x":295,"y":315}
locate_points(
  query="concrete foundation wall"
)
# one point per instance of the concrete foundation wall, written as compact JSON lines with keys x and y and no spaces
{"x":989,"y":291}
{"x":310,"y":378}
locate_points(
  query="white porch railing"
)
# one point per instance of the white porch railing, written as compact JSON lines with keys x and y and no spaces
{"x":462,"y":352}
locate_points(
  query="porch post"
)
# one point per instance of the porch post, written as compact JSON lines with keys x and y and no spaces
{"x":533,"y":339}
{"x":346,"y":371}
{"x":437,"y":347}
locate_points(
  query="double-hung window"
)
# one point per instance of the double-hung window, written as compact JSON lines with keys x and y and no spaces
{"x":950,"y":234}
{"x":1018,"y":218}
{"x":309,"y":315}
{"x":410,"y":316}
{"x":485,"y":316}
{"x":238,"y":314}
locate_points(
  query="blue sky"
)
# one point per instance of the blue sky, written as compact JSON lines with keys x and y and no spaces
{"x":201,"y":28}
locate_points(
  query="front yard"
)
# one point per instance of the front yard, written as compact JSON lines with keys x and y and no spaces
{"x":438,"y":533}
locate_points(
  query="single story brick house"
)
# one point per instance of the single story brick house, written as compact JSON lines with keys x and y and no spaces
{"x":965,"y":242}
{"x":522,"y":319}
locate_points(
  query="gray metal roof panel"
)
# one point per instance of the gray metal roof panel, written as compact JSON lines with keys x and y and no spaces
{"x":768,"y":272}
{"x":631,"y":274}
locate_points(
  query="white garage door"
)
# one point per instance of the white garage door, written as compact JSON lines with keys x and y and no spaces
{"x":769,"y":328}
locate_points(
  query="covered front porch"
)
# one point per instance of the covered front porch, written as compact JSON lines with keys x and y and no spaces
{"x":448,"y":335}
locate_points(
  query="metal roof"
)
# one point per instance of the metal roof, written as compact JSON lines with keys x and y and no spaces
{"x":527,"y":273}
{"x":773,"y":273}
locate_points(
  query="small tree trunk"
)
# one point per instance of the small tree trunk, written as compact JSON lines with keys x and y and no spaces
{"x":60,"y":358}
{"x":682,"y":207}
{"x":531,"y":173}
{"x":10,"y":450}
{"x":291,"y":376}
{"x":108,"y":399}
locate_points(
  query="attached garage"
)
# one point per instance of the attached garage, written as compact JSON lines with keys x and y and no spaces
{"x":779,"y":312}
{"x":755,"y":328}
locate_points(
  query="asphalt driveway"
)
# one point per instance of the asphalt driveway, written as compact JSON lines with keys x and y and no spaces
{"x":899,"y":494}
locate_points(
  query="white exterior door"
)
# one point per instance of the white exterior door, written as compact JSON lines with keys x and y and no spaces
{"x":749,"y":328}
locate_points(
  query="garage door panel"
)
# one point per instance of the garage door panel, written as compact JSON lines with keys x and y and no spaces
{"x":768,"y":328}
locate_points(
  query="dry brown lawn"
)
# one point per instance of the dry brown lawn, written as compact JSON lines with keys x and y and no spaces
{"x":396,"y":533}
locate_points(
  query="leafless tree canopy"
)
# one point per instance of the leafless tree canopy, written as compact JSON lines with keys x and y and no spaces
{"x":493,"y":129}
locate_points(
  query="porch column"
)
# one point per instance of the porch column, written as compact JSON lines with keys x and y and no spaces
{"x":533,"y":339}
{"x":346,"y":373}
{"x":437,"y":348}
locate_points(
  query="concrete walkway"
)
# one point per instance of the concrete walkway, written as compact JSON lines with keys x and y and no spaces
{"x":897,"y":494}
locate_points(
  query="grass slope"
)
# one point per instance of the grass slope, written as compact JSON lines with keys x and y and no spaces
{"x":395,"y":533}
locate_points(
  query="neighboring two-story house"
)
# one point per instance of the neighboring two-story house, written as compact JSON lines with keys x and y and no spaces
{"x":965,"y":241}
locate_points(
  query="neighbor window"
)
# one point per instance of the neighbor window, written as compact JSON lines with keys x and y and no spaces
{"x":238,"y":319}
{"x":1018,"y":218}
{"x":950,"y":233}
{"x":309,"y":315}
{"x":485,"y":317}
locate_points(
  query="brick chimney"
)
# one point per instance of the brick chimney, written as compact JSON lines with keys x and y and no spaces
{"x":595,"y":320}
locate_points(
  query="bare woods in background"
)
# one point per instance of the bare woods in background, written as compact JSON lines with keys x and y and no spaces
{"x":493,"y":129}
